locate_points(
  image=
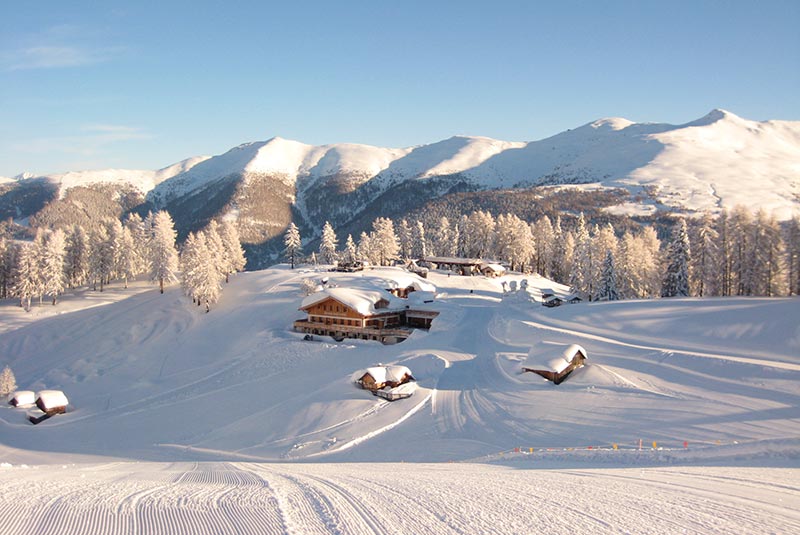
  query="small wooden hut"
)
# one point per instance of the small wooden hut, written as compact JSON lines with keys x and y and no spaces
{"x":554,"y":362}
{"x":52,"y":402}
{"x":22,"y":398}
{"x":378,"y":377}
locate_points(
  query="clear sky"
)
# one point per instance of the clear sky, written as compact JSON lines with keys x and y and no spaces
{"x":143,"y":84}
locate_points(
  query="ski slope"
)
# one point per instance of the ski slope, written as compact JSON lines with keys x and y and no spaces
{"x":230,"y":422}
{"x":439,"y":499}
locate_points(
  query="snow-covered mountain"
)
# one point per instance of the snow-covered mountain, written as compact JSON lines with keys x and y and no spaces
{"x":719,"y":160}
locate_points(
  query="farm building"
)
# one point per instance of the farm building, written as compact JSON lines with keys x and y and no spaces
{"x":52,"y":401}
{"x":362,"y":314}
{"x":462,"y":266}
{"x":554,"y":362}
{"x":22,"y":398}
{"x":489,"y":269}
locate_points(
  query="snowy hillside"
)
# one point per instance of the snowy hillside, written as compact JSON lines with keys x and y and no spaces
{"x":719,"y":160}
{"x":206,"y":399}
{"x":666,"y":370}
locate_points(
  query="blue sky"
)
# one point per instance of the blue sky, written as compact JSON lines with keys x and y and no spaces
{"x":143,"y":84}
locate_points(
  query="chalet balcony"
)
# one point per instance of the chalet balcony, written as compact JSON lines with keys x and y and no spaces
{"x":388,"y":335}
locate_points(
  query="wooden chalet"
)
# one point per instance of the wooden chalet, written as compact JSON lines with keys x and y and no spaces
{"x":361,"y":314}
{"x":554,"y":362}
{"x":52,"y":402}
{"x":378,"y":377}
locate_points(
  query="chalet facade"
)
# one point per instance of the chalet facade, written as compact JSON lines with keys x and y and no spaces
{"x":554,"y":362}
{"x":361,"y":314}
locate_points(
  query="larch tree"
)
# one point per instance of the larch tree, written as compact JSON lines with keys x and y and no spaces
{"x":419,"y":240}
{"x":234,"y":254}
{"x":163,"y":254}
{"x":293,"y":244}
{"x":580,"y":277}
{"x":792,"y":241}
{"x":676,"y":279}
{"x":101,"y":257}
{"x":53,"y":275}
{"x":28,"y":278}
{"x":607,"y":290}
{"x":328,"y":244}
{"x":705,"y":265}
{"x":77,"y":256}
{"x":405,"y":239}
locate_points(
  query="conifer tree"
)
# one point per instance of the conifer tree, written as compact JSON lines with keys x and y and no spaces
{"x":405,"y":239}
{"x":77,"y":257}
{"x":328,"y":244}
{"x":384,"y":241}
{"x":676,"y":279}
{"x":27,"y":281}
{"x":8,"y":383}
{"x":350,"y":251}
{"x":53,"y":276}
{"x":608,"y":280}
{"x":163,"y":255}
{"x":234,"y":254}
{"x":293,"y":244}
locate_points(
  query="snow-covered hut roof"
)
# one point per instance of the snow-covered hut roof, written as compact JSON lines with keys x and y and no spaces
{"x":497,"y":268}
{"x":396,"y":373}
{"x":50,"y":399}
{"x":403,"y":280}
{"x":552,"y":357}
{"x":22,"y":397}
{"x":359,"y":299}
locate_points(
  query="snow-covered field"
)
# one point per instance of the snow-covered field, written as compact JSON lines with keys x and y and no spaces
{"x":181,"y":421}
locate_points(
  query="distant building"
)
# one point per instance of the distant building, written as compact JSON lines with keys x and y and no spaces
{"x":554,"y":362}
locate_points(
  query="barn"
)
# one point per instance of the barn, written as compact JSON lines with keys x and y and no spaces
{"x":554,"y":362}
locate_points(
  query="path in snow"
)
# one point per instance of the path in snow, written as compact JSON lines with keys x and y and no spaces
{"x":390,"y":498}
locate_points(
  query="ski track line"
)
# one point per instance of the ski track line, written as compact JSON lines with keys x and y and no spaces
{"x":303,"y":510}
{"x":699,"y":505}
{"x":744,"y":360}
{"x":358,"y":440}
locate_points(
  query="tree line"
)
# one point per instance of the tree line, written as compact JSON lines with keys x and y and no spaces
{"x":57,"y":260}
{"x":734,"y":253}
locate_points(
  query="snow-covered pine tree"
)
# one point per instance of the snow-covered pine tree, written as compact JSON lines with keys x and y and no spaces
{"x":234,"y":254}
{"x":328,"y":244}
{"x":101,"y":261}
{"x":676,"y":279}
{"x":608,"y":280}
{"x":544,"y":241}
{"x":129,"y":264}
{"x":420,"y":240}
{"x":580,"y":277}
{"x":208,"y":278}
{"x":441,"y":239}
{"x":705,"y":266}
{"x":139,"y":232}
{"x":767,"y":267}
{"x":8,"y":383}
{"x":191,"y":256}
{"x":4,"y":244}
{"x":405,"y":239}
{"x":53,"y":276}
{"x":163,"y":255}
{"x":77,"y":256}
{"x":365,"y":249}
{"x":8,"y":268}
{"x":385,"y":246}
{"x":216,"y":248}
{"x":350,"y":250}
{"x":293,"y":244}
{"x":27,"y":280}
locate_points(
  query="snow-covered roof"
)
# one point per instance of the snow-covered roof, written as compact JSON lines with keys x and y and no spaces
{"x":23,"y":397}
{"x":383,"y":374}
{"x":359,"y":299}
{"x":52,"y":398}
{"x":552,"y":357}
{"x":497,"y":268}
{"x":396,"y":373}
{"x":403,"y":280}
{"x":405,"y":388}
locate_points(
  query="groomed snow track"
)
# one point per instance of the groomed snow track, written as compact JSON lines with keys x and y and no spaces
{"x":397,"y":498}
